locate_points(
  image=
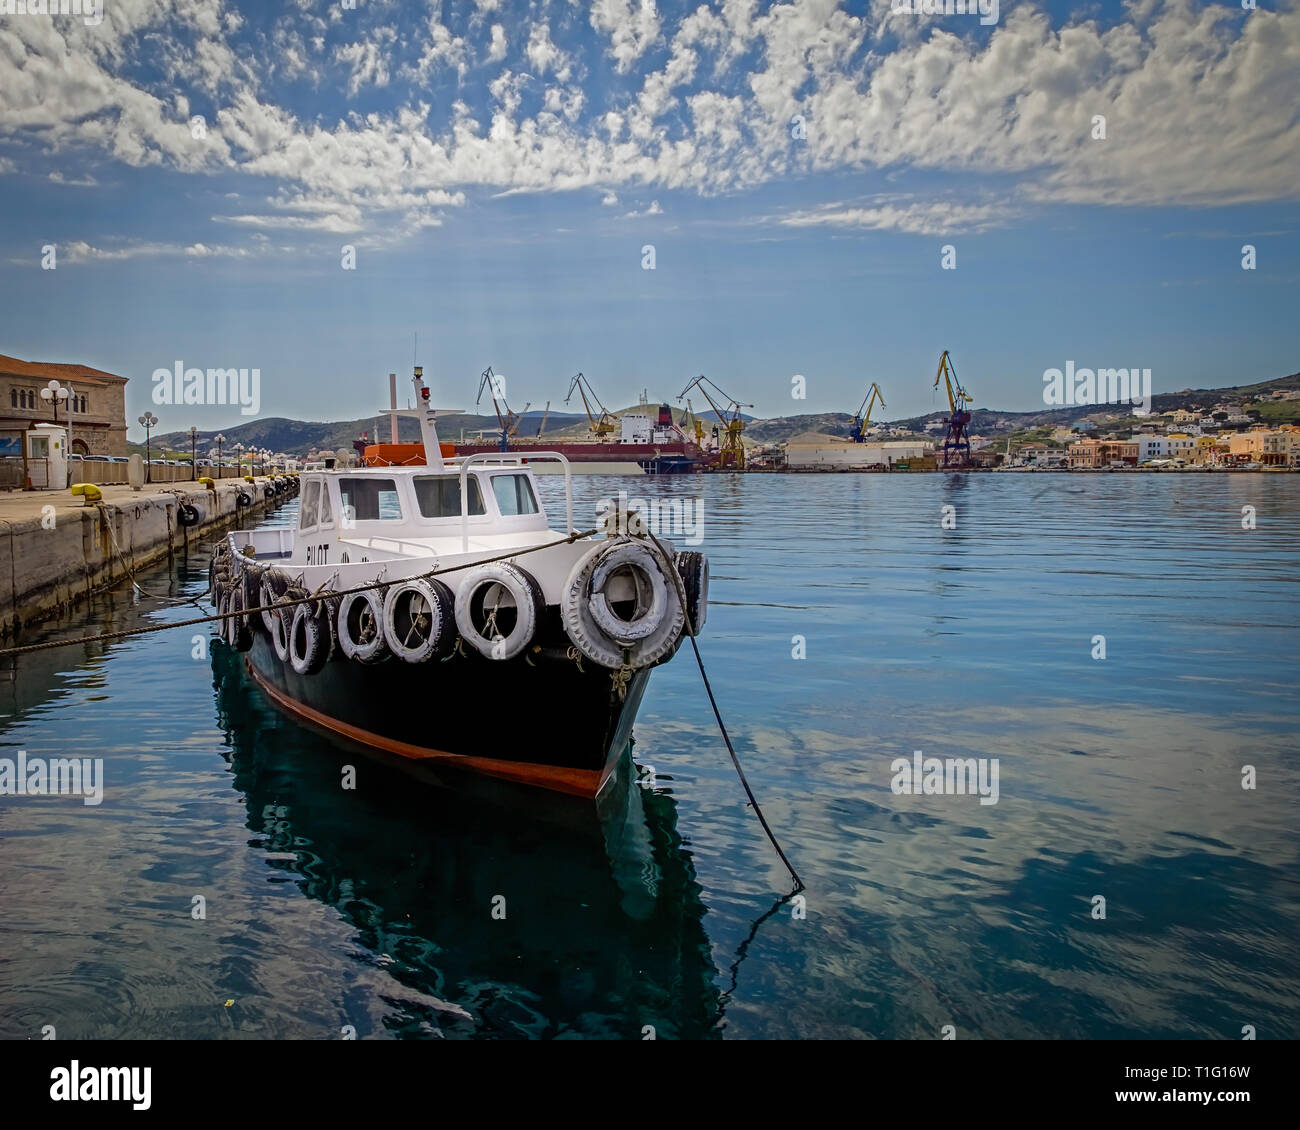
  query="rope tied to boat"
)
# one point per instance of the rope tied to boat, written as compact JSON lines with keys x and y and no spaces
{"x":619,"y":679}
{"x":717,"y":713}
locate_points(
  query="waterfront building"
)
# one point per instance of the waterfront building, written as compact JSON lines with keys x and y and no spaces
{"x":95,"y":411}
{"x":1280,"y":448}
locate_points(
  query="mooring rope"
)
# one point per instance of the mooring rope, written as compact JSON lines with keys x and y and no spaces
{"x":722,"y":726}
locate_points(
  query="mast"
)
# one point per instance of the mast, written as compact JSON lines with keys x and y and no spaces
{"x":427,"y":417}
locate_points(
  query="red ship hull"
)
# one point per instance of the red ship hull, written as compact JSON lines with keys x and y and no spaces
{"x":662,"y":458}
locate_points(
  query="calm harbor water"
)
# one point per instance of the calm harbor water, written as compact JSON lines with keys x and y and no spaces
{"x":329,"y":911}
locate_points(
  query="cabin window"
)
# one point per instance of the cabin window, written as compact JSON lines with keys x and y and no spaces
{"x":514,"y":494}
{"x":326,"y":517}
{"x":310,"y":504}
{"x":439,"y":496}
{"x":40,"y":447}
{"x":370,"y":500}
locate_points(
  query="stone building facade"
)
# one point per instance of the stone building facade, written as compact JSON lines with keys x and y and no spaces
{"x":95,"y":411}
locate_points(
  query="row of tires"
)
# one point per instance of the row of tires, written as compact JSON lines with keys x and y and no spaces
{"x":270,"y":489}
{"x":188,"y":514}
{"x":497,"y":611}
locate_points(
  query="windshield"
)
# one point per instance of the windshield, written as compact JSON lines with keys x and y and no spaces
{"x":370,"y":500}
{"x":438,"y":496}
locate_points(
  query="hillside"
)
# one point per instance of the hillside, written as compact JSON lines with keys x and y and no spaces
{"x":299,"y":437}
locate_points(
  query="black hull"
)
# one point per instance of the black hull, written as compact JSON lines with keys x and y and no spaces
{"x":546,"y":723}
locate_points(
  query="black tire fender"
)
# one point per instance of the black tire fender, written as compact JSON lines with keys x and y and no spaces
{"x":420,"y":619}
{"x":308,"y":639}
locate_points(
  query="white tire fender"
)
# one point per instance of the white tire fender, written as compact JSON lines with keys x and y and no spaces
{"x":360,"y":626}
{"x":487,"y":585}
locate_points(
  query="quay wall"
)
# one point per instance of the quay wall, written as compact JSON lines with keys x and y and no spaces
{"x":55,"y":550}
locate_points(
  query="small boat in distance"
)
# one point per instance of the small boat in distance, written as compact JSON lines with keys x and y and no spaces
{"x":424,"y":608}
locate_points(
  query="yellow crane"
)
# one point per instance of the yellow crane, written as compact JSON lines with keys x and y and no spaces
{"x":601,"y":426}
{"x":731,"y":452}
{"x":956,"y":441}
{"x":858,"y":429}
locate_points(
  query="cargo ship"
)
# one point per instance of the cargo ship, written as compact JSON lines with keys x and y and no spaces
{"x":657,"y":446}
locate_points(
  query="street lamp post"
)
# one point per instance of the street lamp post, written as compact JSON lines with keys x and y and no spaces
{"x":194,"y":458}
{"x":220,"y":469}
{"x":150,"y":421}
{"x":239,"y":459}
{"x":55,"y":392}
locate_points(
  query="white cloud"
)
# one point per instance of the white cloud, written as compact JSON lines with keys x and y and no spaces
{"x":630,"y":31}
{"x":919,"y":218}
{"x":369,"y":64}
{"x":544,"y":56}
{"x":1189,"y":93}
{"x":78,"y":251}
{"x":652,"y":210}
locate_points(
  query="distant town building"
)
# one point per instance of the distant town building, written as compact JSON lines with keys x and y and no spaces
{"x":812,"y":451}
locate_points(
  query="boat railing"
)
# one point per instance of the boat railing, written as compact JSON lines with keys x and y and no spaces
{"x":507,"y":459}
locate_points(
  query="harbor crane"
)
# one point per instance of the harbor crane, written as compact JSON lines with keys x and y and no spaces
{"x":858,"y":428}
{"x":603,"y":425}
{"x":698,"y":428}
{"x":545,"y":416}
{"x":956,"y":440}
{"x":731,"y":452}
{"x":508,"y":420}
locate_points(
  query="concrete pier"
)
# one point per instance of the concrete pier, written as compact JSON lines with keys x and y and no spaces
{"x":55,"y":550}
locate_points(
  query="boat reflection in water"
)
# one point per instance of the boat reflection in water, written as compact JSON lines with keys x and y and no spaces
{"x":502,"y":912}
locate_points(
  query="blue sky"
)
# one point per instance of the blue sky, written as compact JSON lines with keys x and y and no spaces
{"x":498,"y":168}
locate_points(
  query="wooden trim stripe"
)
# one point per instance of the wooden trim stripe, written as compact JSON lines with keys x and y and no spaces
{"x":576,"y":782}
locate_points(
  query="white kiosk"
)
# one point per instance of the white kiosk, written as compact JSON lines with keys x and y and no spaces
{"x":47,"y":457}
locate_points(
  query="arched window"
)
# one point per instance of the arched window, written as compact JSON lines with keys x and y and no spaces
{"x":13,"y":398}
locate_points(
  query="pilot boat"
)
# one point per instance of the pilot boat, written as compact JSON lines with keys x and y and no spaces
{"x":425,"y":609}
